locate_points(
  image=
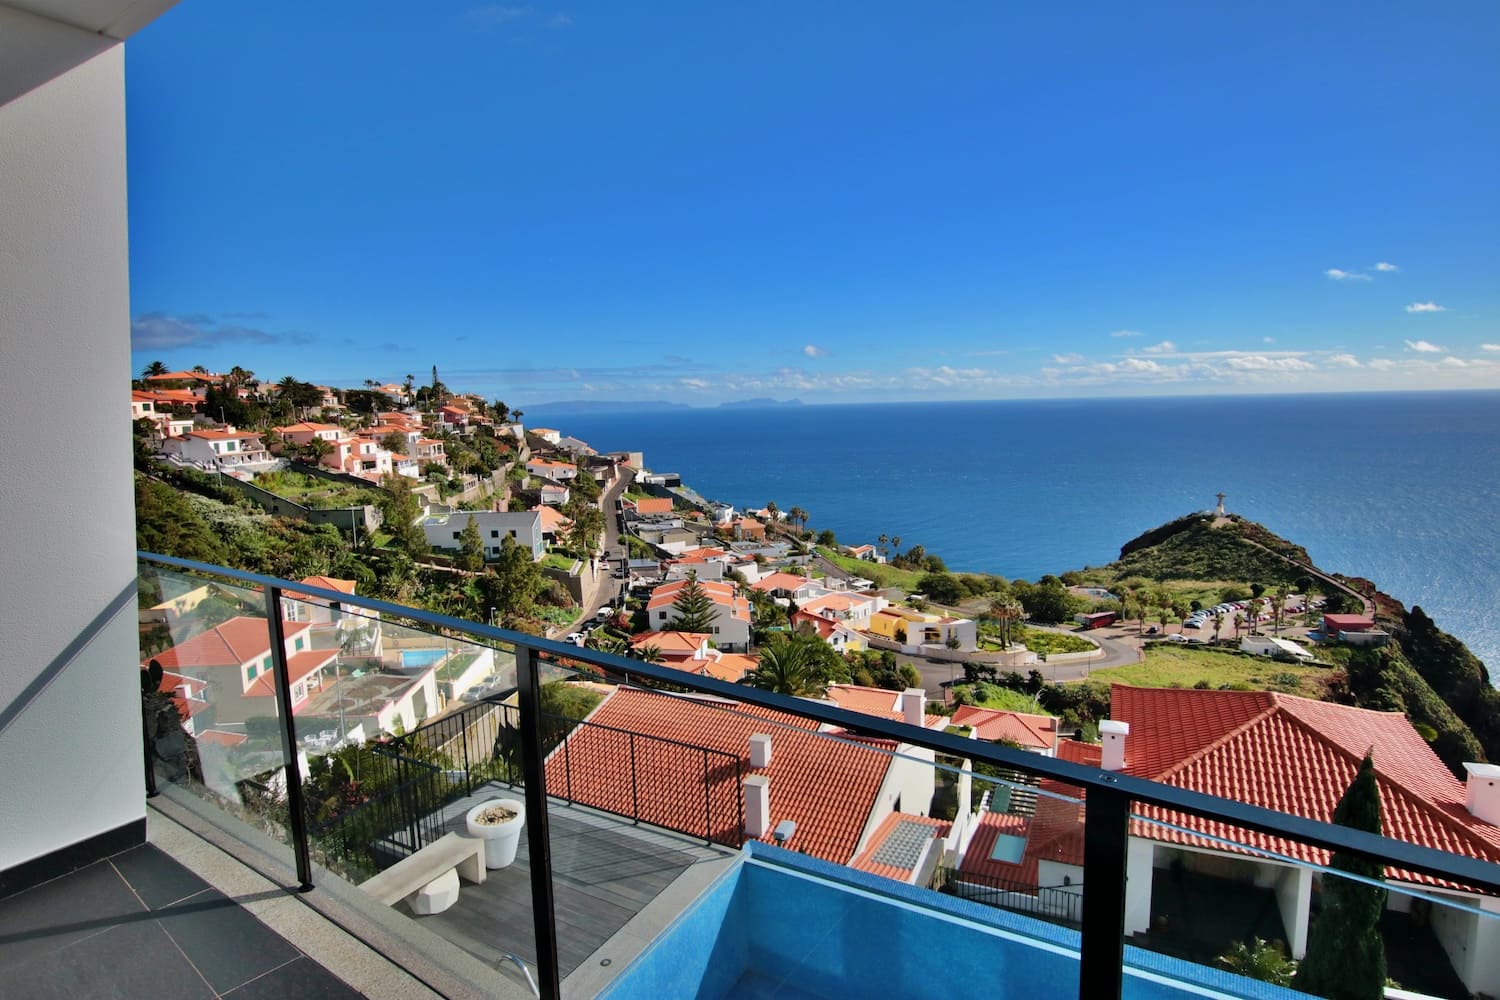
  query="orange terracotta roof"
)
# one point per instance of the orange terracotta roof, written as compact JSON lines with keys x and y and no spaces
{"x":1294,"y":755}
{"x":552,"y":518}
{"x":298,"y":666}
{"x":991,"y":724}
{"x":670,"y":644}
{"x":782,"y":581}
{"x":237,"y":641}
{"x":654,"y":505}
{"x":700,"y":555}
{"x":213,"y":435}
{"x":866,"y":861}
{"x":221,"y":738}
{"x":307,"y":426}
{"x":880,"y":702}
{"x":832,"y":602}
{"x":828,"y":787}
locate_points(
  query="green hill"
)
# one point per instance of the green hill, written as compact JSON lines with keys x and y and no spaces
{"x":1430,"y":675}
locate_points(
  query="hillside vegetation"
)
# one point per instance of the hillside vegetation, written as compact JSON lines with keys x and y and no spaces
{"x":1426,"y":673}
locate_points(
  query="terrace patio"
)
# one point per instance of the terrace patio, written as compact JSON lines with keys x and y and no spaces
{"x":615,"y":886}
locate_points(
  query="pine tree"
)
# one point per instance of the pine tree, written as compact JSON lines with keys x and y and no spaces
{"x":1345,"y":955}
{"x":694,"y":612}
{"x":471,"y":547}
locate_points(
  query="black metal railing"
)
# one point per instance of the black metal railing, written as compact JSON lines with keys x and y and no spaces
{"x":635,"y":775}
{"x":1058,"y":904}
{"x":1110,"y":795}
{"x":400,"y":818}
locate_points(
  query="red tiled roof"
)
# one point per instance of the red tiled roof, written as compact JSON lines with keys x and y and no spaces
{"x":866,"y":861}
{"x":237,"y":641}
{"x":1347,"y":623}
{"x":828,"y":787}
{"x":654,"y":505}
{"x":326,"y":582}
{"x":221,"y":738}
{"x":881,"y":702}
{"x":670,"y":644}
{"x":1294,"y":755}
{"x":781,"y":581}
{"x":298,"y":666}
{"x":992,"y":724}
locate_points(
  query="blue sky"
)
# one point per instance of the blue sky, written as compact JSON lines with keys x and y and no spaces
{"x":832,"y":201}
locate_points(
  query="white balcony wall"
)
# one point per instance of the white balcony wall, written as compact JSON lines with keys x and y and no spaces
{"x":70,"y":729}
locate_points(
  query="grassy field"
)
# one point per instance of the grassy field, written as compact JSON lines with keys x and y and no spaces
{"x":884,"y":576}
{"x":1168,"y":665}
{"x":1004,"y":699}
{"x":310,"y":491}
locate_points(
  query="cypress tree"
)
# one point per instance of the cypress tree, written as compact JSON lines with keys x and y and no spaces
{"x":693,"y":611}
{"x":1345,"y":955}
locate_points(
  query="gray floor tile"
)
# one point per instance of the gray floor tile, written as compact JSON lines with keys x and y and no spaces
{"x":302,"y":979}
{"x":58,"y":913}
{"x":155,"y":877}
{"x":127,"y":962}
{"x":227,"y":944}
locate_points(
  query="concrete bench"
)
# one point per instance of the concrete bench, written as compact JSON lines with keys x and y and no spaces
{"x":414,"y":873}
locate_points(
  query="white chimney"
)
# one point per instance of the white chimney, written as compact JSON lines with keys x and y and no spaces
{"x":1113,"y":734}
{"x":913,"y":702}
{"x":760,"y":750}
{"x":757,"y":805}
{"x":1483,"y":792}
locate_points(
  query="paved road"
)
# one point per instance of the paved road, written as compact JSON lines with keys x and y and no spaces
{"x":607,"y":589}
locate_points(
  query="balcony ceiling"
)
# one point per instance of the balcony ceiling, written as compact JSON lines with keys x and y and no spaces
{"x":41,"y":39}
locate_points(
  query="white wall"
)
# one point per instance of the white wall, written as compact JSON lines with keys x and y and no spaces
{"x":1140,"y":855}
{"x":1471,"y":941}
{"x":73,"y":753}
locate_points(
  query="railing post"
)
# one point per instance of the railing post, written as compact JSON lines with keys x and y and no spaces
{"x":635,"y":796}
{"x":538,"y":839}
{"x":296,"y":811}
{"x":1106,"y":831}
{"x":463,"y":734}
{"x":708,"y":809}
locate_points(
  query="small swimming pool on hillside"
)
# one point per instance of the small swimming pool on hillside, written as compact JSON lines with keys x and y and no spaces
{"x":421,"y":657}
{"x":780,"y":924}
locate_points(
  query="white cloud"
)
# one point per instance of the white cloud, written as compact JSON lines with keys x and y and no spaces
{"x":814,"y":351}
{"x":1425,"y":307}
{"x":1386,"y":266}
{"x":1067,"y":359}
{"x":1268,"y":340}
{"x":1453,"y":362}
{"x":1165,"y":347}
{"x":1344,"y":361}
{"x":1338,"y":274}
{"x":1262,"y":363}
{"x":1125,"y":333}
{"x":1423,"y":347}
{"x":1489,"y":347}
{"x":1382,"y":364}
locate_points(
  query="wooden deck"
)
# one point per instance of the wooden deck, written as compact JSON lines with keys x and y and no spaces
{"x":604,"y":872}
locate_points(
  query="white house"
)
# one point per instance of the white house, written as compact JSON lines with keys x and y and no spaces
{"x":731,"y":621}
{"x":228,"y":450}
{"x":1270,"y":645}
{"x":445,"y":531}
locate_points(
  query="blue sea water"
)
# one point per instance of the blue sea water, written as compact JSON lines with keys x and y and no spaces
{"x":1402,"y":488}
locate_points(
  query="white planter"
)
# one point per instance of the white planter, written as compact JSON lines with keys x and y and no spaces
{"x":500,"y":840}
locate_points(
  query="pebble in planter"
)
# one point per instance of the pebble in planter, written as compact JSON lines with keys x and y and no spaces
{"x":498,"y":823}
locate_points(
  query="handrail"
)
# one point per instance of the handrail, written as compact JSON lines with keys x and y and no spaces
{"x":1107,"y":817}
{"x":1399,"y":854}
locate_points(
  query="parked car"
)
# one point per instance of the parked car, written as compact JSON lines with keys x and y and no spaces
{"x":1177,"y":638}
{"x":577,"y":638}
{"x":604,"y":612}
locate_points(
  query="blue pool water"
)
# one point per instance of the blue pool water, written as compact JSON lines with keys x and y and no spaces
{"x":421,"y":657}
{"x":784,"y":925}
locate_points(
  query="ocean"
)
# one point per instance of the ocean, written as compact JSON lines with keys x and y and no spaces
{"x":1402,"y":488}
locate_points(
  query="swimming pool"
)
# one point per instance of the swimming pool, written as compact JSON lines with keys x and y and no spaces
{"x":421,"y":657}
{"x":785,"y":925}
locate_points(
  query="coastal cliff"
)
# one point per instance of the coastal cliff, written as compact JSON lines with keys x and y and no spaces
{"x":1424,"y":672}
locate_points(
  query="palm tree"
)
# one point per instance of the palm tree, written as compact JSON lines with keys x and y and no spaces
{"x":786,"y":668}
{"x":771,"y":511}
{"x":1239,"y":620}
{"x":895,"y":546}
{"x":1006,"y":612}
{"x":881,"y":542}
{"x":154,"y":368}
{"x":318,"y":449}
{"x":797,"y":516}
{"x":1282,"y":596}
{"x":1219,"y":624}
{"x":649,"y":653}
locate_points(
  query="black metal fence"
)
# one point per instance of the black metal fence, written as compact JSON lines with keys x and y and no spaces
{"x":1058,"y":904}
{"x":399,"y":819}
{"x":691,"y":789}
